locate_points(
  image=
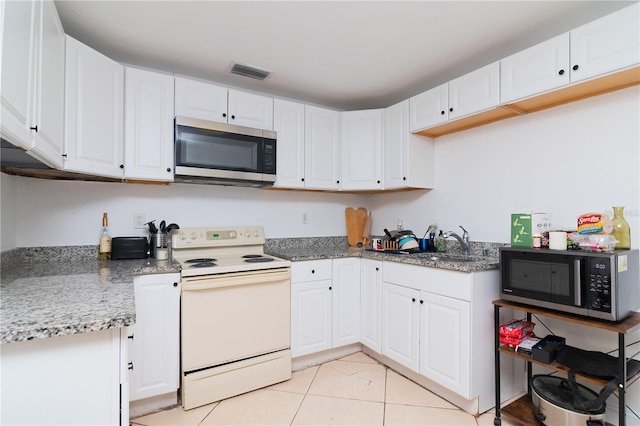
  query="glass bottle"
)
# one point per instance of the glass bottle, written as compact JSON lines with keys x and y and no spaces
{"x":621,"y":230}
{"x":104,"y":248}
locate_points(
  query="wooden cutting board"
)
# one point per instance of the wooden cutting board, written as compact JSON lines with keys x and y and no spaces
{"x":356,"y":220}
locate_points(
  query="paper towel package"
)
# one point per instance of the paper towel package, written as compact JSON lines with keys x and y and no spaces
{"x":524,"y":225}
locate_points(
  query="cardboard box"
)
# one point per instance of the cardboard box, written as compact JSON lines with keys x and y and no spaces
{"x":524,"y":225}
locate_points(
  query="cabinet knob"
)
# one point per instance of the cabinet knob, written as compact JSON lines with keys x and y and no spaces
{"x":35,"y":128}
{"x":413,"y":299}
{"x":330,"y":288}
{"x":224,"y":115}
{"x":313,"y":271}
{"x":451,"y":109}
{"x":378,"y":181}
{"x":337,"y":181}
{"x":169,"y":169}
{"x":377,"y":269}
{"x":302,"y":179}
{"x":561,"y":72}
{"x":442,"y":112}
{"x":404,"y":178}
{"x":421,"y":302}
{"x":575,"y":67}
{"x":175,"y":284}
{"x":130,"y":366}
{"x":233,"y":117}
{"x":122,"y":166}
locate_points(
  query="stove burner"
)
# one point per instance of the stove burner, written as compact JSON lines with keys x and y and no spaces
{"x":201,"y":260}
{"x":202,"y":264}
{"x":251,"y":256}
{"x":258,"y":259}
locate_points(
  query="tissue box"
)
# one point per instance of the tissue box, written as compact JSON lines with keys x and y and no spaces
{"x":524,"y":225}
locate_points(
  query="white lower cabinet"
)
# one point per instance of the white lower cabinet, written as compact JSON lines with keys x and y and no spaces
{"x":400,"y":324}
{"x":311,"y":307}
{"x":346,"y":301}
{"x":79,"y":379}
{"x":155,"y":337}
{"x":371,"y":304}
{"x":445,"y":341}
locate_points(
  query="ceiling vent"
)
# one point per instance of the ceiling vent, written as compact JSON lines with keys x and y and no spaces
{"x":249,"y":71}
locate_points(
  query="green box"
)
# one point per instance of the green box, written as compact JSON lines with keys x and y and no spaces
{"x":525,"y":225}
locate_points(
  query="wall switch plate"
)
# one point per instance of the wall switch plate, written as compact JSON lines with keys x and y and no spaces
{"x":139,"y":221}
{"x":305,"y":218}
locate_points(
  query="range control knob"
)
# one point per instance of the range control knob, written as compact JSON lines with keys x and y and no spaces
{"x":183,"y":236}
{"x":193,"y":236}
{"x":232,"y":234}
{"x":256,"y":233}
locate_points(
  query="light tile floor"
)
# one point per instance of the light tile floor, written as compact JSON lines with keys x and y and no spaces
{"x":354,"y":390}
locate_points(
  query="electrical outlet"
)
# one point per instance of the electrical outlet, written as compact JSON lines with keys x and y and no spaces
{"x":139,"y":221}
{"x":305,"y":218}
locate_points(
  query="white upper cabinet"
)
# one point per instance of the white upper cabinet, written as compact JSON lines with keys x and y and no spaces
{"x":361,"y":143}
{"x":471,"y":93}
{"x":148,"y":125}
{"x":33,"y":61}
{"x":322,"y":148}
{"x":250,"y":110}
{"x":540,"y":68}
{"x":606,"y":44}
{"x":474,"y":92}
{"x":288,"y":123}
{"x":94,"y":112}
{"x":206,"y":101}
{"x":408,"y":159}
{"x":429,"y":108}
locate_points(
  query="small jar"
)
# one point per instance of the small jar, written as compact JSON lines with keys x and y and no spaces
{"x":537,"y":240}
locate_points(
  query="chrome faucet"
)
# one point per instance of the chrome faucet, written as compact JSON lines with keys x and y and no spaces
{"x":464,"y":240}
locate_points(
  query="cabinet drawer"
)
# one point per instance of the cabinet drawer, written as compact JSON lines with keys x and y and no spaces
{"x":433,"y":280}
{"x":311,"y":270}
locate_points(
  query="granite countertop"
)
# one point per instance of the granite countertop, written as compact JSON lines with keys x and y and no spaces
{"x":41,"y":299}
{"x":296,"y":250}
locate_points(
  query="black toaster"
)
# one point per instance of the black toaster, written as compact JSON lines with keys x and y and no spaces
{"x":129,"y":248}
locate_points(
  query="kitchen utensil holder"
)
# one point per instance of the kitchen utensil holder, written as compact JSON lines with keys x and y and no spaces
{"x":158,"y":240}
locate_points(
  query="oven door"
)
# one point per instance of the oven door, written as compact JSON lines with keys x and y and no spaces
{"x":234,"y":316}
{"x":544,"y":279}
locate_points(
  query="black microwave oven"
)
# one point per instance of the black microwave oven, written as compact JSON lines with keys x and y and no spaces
{"x":223,"y":154}
{"x":592,"y":284}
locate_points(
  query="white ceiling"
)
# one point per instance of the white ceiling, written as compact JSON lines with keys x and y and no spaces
{"x":341,"y":54}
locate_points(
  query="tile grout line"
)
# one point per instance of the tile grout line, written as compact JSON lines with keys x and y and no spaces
{"x":305,"y":395}
{"x":384,"y":406}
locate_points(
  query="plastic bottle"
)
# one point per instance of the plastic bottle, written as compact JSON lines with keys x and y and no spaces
{"x":441,"y":243}
{"x":621,"y":230}
{"x":104,"y":248}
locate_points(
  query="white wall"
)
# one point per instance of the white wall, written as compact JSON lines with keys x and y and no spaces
{"x":8,"y":211}
{"x":569,"y":160}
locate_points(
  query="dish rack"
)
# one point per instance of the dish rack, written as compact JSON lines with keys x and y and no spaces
{"x":389,"y":245}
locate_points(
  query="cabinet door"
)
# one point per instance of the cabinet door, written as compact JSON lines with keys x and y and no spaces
{"x":310,"y":317}
{"x":606,"y":44}
{"x":371,"y":304}
{"x":197,"y":99}
{"x":346,"y":301}
{"x":94,"y":106}
{"x":400,"y":324}
{"x":538,"y":69}
{"x":321,"y":148}
{"x":155,"y":347}
{"x":250,"y":110}
{"x":288,"y":122}
{"x":429,"y":108}
{"x":361,"y":142}
{"x":474,"y":92}
{"x":445,"y":342}
{"x":148,"y":125}
{"x":19,"y":50}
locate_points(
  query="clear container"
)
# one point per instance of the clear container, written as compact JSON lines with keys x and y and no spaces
{"x":621,"y":230}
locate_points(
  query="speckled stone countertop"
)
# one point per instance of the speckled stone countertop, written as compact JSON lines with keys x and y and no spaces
{"x":482,"y":257}
{"x":56,"y":291}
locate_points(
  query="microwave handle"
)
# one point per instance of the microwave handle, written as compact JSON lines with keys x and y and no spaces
{"x":577,"y":285}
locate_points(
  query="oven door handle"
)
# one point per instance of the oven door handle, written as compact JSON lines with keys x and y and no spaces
{"x":234,"y":279}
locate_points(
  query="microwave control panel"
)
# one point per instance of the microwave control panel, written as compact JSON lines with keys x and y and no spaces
{"x":599,"y":285}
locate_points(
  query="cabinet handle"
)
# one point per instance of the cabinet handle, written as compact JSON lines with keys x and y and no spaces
{"x":224,"y":115}
{"x":64,"y":155}
{"x":130,"y":366}
{"x":175,"y":284}
{"x":575,"y":67}
{"x":130,"y":337}
{"x":561,"y":72}
{"x":122,"y":166}
{"x":35,"y":128}
{"x":413,"y":299}
{"x":169,"y":169}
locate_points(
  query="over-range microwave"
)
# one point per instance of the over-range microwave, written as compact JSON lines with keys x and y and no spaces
{"x":224,"y":154}
{"x":592,"y":284}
